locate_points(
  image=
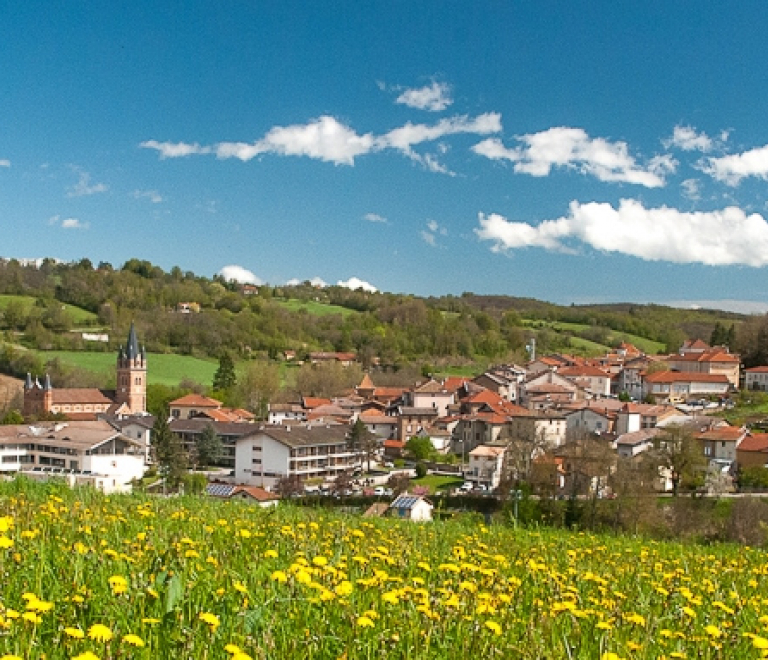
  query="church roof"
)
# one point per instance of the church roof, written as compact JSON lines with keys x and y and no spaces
{"x":132,"y":346}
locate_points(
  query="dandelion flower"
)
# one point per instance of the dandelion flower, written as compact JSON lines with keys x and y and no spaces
{"x":133,"y":640}
{"x":75,"y":633}
{"x":494,"y":627}
{"x":364,"y":622}
{"x":99,"y":632}
{"x":86,"y":656}
{"x":211,"y":619}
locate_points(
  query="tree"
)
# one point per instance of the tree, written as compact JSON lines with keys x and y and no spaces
{"x":342,"y":484}
{"x":168,"y":452}
{"x":289,"y":486}
{"x":363,"y":442}
{"x":680,"y":454}
{"x":420,"y":447}
{"x":519,"y":457}
{"x":225,"y":376}
{"x":12,"y":417}
{"x":399,"y":482}
{"x":258,"y":386}
{"x":208,"y":446}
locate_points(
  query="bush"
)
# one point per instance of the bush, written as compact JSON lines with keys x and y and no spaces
{"x":421,"y":470}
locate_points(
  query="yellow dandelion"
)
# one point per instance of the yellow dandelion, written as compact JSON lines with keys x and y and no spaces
{"x":713,"y":631}
{"x":133,"y":640}
{"x":5,"y":542}
{"x":232,"y":648}
{"x":86,"y":656}
{"x":211,"y":619}
{"x":279,"y":576}
{"x":365,"y":622}
{"x":494,"y":627}
{"x":75,"y":633}
{"x":99,"y":632}
{"x":10,"y":657}
{"x":32,"y":617}
{"x":760,"y":642}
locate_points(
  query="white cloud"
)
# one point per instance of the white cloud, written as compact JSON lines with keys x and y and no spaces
{"x":67,"y":223}
{"x":84,"y":187}
{"x":429,"y":238}
{"x":324,"y":139}
{"x":329,"y":140}
{"x":152,"y":195}
{"x":733,"y":168}
{"x":434,"y":98}
{"x":175,"y":149}
{"x":687,"y":139}
{"x":715,"y":238}
{"x":691,"y":189}
{"x":5,"y":162}
{"x":356,"y":283}
{"x":728,"y":305}
{"x":315,"y":281}
{"x":430,"y":234}
{"x":573,"y":148}
{"x":375,"y":218}
{"x":239,"y":274}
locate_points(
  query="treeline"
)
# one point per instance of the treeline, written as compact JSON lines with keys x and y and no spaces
{"x":398,"y":330}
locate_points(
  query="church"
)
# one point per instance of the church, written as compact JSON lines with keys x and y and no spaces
{"x":83,"y":404}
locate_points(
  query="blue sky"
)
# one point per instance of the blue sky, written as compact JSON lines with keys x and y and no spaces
{"x":567,"y":151}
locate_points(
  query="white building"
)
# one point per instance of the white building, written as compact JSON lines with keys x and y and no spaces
{"x":80,"y":452}
{"x":411,"y":507}
{"x":485,"y":466}
{"x":308,"y":451}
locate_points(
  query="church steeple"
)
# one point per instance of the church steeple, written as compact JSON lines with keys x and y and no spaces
{"x":132,"y":374}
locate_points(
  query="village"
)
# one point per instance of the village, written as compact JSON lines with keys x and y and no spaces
{"x":489,"y":431}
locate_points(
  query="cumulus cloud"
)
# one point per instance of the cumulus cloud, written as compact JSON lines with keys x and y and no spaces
{"x":175,"y":149}
{"x":318,"y":282}
{"x":327,"y":139}
{"x":323,"y":139}
{"x":434,"y":98}
{"x":687,"y":139}
{"x":67,"y":223}
{"x":4,"y":162}
{"x":235,"y":273}
{"x":357,"y":283}
{"x":733,"y":168}
{"x":714,"y":238}
{"x":375,"y":218}
{"x":573,"y":148}
{"x":691,"y":189}
{"x":84,"y":187}
{"x":152,"y":195}
{"x":431,"y":233}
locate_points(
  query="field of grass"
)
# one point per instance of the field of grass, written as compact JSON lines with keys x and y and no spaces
{"x":87,"y":576}
{"x":165,"y":369}
{"x":79,"y":316}
{"x":316,"y":308}
{"x":646,"y":345}
{"x":438,"y":482}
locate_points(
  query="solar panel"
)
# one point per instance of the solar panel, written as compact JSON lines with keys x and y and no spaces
{"x":220,"y":490}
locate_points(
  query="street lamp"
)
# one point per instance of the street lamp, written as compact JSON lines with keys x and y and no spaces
{"x":516,"y":496}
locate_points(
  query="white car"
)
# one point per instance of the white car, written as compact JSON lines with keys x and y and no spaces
{"x":467,"y":486}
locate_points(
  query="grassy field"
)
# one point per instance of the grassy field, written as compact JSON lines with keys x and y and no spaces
{"x":164,"y":368}
{"x":646,"y":345}
{"x":88,"y":576}
{"x":316,"y":308}
{"x":79,"y":316}
{"x":437,"y":482}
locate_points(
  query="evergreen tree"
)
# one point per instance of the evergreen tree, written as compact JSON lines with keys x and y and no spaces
{"x":168,"y":452}
{"x":363,"y":442}
{"x":208,"y":446}
{"x":225,"y":376}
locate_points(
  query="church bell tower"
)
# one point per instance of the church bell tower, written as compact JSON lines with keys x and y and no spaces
{"x":132,"y":375}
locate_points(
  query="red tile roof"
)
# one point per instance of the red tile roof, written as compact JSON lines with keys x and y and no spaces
{"x":196,"y":401}
{"x":757,"y":442}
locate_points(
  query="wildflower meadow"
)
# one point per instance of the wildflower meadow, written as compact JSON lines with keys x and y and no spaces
{"x":89,"y":577}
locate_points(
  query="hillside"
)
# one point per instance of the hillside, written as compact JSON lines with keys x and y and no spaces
{"x":182,"y":314}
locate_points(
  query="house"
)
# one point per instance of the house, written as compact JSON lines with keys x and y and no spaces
{"x":85,"y":404}
{"x":411,"y":507}
{"x":752,"y":451}
{"x":83,"y":452}
{"x":699,"y":358}
{"x":635,"y":416}
{"x":412,"y":420}
{"x":323,"y":357}
{"x":545,"y":427}
{"x":137,"y":427}
{"x":381,"y":425}
{"x":547,"y":389}
{"x":630,"y":377}
{"x":430,"y":395}
{"x":720,"y":443}
{"x":286,"y":412}
{"x":192,"y":405}
{"x":261,"y":497}
{"x":591,"y":419}
{"x":304,"y":451}
{"x":629,"y":445}
{"x":756,"y":378}
{"x":677,"y":387}
{"x":595,"y":381}
{"x":486,"y":463}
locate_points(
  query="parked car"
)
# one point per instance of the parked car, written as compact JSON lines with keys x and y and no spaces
{"x":467,"y":486}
